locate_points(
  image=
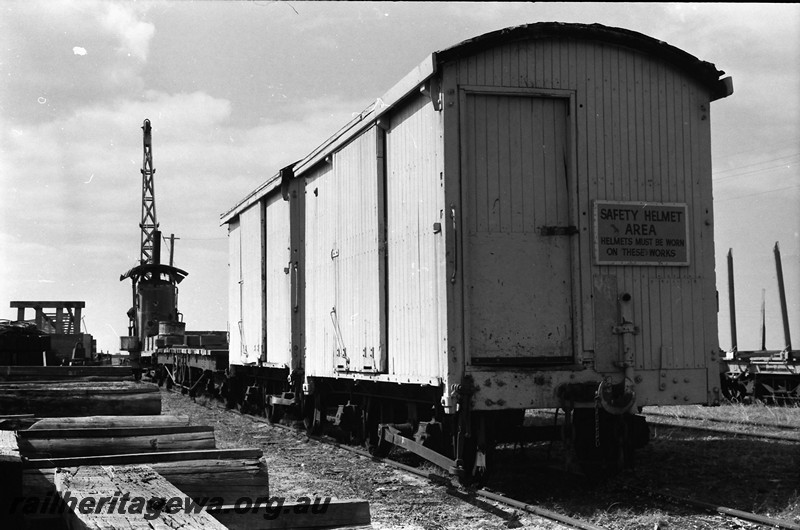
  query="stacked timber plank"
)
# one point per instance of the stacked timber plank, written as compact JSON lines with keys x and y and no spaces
{"x":80,"y":443}
{"x":53,"y":391}
{"x":104,"y":422}
{"x":60,"y":443}
{"x":184,"y":456}
{"x":203,"y":473}
{"x":11,"y":483}
{"x":80,"y":486}
{"x":218,"y":479}
{"x":80,"y":399}
{"x":65,"y":373}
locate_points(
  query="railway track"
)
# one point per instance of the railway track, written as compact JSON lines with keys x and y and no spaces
{"x":495,"y":502}
{"x":769,"y":522}
{"x":470,"y":496}
{"x":754,"y":424}
{"x":550,"y":514}
{"x":795,"y":438}
{"x":482,"y":493}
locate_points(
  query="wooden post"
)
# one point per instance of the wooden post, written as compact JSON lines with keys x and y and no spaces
{"x":732,"y":303}
{"x":172,"y":240}
{"x":77,"y":320}
{"x":60,"y":320}
{"x":39,"y":317}
{"x":782,"y":293}
{"x":763,"y":320}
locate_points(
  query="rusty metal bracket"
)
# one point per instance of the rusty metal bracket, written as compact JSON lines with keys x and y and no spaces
{"x":625,"y":327}
{"x":662,"y":371}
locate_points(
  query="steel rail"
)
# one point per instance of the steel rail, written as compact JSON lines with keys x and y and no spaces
{"x":486,"y":494}
{"x":764,"y":435}
{"x":439,"y":479}
{"x":543,"y":512}
{"x":724,"y":510}
{"x":776,"y":426}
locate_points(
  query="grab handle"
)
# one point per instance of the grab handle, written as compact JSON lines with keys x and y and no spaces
{"x":455,"y":244}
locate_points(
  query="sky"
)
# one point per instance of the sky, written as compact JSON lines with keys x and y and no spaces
{"x":237,"y":90}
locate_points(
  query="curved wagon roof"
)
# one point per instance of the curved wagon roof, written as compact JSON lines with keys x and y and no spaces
{"x":703,"y":72}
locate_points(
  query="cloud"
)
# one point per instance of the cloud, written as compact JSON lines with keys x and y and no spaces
{"x":80,"y":192}
{"x":233,"y":102}
{"x":134,"y":35}
{"x":40,"y":57}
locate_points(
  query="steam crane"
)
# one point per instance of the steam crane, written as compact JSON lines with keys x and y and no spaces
{"x":154,"y":314}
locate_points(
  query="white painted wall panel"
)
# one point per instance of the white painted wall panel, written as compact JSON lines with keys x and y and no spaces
{"x":279,"y":271}
{"x":249,"y":324}
{"x":357,"y":265}
{"x":518,"y":281}
{"x":642,"y":134}
{"x":343,"y":286}
{"x":415,"y":202}
{"x":320,"y":293}
{"x":234,"y":290}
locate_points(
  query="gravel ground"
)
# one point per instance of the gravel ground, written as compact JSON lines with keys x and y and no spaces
{"x":300,"y":467}
{"x":761,"y":476}
{"x":744,"y":473}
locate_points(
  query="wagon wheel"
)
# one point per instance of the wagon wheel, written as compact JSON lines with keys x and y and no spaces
{"x":316,"y":414}
{"x":210,"y":389}
{"x":168,"y":382}
{"x":162,"y":375}
{"x":274,"y":413}
{"x":468,"y":474}
{"x":732,"y":389}
{"x":373,"y":413}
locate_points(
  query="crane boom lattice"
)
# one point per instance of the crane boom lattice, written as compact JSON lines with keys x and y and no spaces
{"x":149,"y":224}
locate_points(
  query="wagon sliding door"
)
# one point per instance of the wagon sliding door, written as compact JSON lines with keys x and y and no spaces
{"x":344,"y":229}
{"x":246,"y":286}
{"x":516,"y":223}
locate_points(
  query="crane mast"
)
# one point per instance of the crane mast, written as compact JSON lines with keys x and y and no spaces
{"x":149,"y":224}
{"x":153,"y":317}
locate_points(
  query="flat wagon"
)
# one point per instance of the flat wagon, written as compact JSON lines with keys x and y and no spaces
{"x":523,"y":222}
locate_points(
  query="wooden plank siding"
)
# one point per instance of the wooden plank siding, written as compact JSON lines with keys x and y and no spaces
{"x":246,"y":286}
{"x":357,"y":265}
{"x":320,"y":340}
{"x":234,"y":290}
{"x":278,"y":277}
{"x":416,"y":269}
{"x":517,"y":282}
{"x":343,"y":262}
{"x":642,"y":135}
